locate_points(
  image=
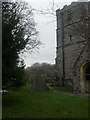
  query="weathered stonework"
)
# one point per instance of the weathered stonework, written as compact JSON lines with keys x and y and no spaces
{"x":73,"y":46}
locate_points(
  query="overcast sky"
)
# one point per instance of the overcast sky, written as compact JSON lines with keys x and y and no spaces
{"x":47,"y":33}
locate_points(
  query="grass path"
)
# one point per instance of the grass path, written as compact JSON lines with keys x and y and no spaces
{"x":23,"y":104}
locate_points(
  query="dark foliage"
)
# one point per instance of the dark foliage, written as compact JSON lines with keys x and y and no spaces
{"x":18,"y":35}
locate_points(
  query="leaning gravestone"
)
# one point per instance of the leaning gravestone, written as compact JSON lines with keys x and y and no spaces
{"x":39,"y":83}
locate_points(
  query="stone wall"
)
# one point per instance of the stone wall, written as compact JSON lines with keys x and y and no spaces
{"x":72,"y":37}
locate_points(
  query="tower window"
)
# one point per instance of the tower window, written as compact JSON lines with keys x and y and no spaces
{"x":69,"y":17}
{"x":70,"y":36}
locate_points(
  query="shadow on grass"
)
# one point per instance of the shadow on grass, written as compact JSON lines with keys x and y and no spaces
{"x":8,"y":101}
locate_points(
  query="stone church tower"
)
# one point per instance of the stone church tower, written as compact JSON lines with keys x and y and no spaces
{"x":73,"y":46}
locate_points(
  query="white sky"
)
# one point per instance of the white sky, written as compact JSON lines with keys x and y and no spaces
{"x":47,"y":33}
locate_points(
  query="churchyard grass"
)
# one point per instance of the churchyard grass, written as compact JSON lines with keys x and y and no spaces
{"x":60,"y":88}
{"x":25,"y":104}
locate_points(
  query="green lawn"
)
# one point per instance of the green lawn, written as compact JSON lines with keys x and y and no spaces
{"x":61,"y":88}
{"x":23,"y":104}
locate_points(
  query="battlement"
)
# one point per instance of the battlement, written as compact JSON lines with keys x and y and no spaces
{"x":71,"y":6}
